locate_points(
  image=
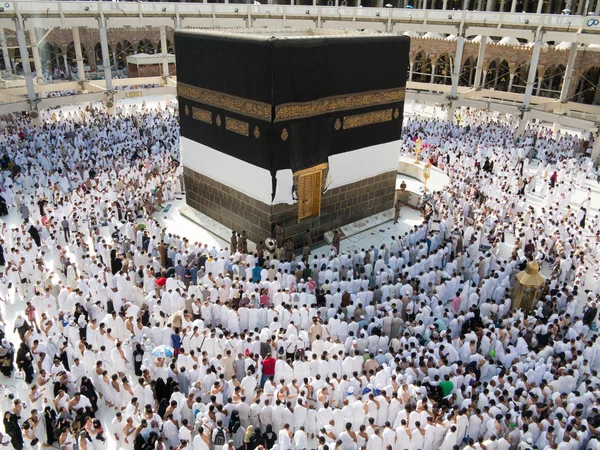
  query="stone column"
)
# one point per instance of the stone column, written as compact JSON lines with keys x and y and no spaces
{"x":538,"y":88}
{"x":31,"y":96}
{"x":479,"y":69}
{"x":5,"y":54}
{"x":460,"y":45}
{"x":598,"y":8}
{"x":596,"y":150}
{"x":35,"y":51}
{"x":489,"y":6}
{"x":67,"y":68}
{"x":533,"y":68}
{"x":513,"y":6}
{"x":78,"y":55}
{"x":163,"y":45}
{"x":410,"y":71}
{"x":569,"y":72}
{"x":105,"y":55}
{"x":115,"y":63}
{"x":433,"y":66}
{"x":511,"y":79}
{"x":540,"y":6}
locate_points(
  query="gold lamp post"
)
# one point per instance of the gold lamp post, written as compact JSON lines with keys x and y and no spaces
{"x":426,"y":175}
{"x":418,"y":144}
{"x":528,"y":286}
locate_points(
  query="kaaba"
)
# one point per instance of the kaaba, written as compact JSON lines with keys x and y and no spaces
{"x":293,"y":127}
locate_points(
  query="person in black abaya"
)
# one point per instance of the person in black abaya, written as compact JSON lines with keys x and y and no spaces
{"x":162,"y":407}
{"x":161,"y":389}
{"x":50,"y":424}
{"x":2,"y":260}
{"x":87,"y":389}
{"x":35,"y":235}
{"x":12,"y":428}
{"x":25,"y":362}
{"x":138,"y":355}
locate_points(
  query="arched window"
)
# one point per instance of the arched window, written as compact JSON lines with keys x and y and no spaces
{"x":443,"y":70}
{"x":587,"y":88}
{"x":467,"y":74}
{"x":422,"y":68}
{"x":145,"y":46}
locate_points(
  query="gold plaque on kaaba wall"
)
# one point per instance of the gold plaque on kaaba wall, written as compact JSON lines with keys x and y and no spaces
{"x":396,"y":113}
{"x":256,"y":132}
{"x":187,"y":110}
{"x":337,"y":125}
{"x":218,"y":120}
{"x":284,"y":134}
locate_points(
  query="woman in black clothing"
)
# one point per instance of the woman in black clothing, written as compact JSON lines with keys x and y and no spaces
{"x":50,"y":424}
{"x":270,"y":437}
{"x":138,"y":356}
{"x":87,"y":389}
{"x":12,"y":428}
{"x":25,"y":362}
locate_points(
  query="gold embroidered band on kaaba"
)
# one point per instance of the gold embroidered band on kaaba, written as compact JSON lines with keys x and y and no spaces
{"x":290,"y":111}
{"x":369,"y":118}
{"x":237,"y":126}
{"x":250,"y":108}
{"x":326,"y":105}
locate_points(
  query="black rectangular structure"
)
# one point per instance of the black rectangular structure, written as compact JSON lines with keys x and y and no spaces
{"x":285,"y":102}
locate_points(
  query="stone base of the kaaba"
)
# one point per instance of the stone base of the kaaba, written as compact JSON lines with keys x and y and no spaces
{"x":237,"y":211}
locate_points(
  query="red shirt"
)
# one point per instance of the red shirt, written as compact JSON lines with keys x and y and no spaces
{"x":268,"y":367}
{"x":161,"y":281}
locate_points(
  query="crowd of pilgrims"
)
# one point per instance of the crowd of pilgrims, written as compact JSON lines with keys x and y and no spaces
{"x":124,"y":335}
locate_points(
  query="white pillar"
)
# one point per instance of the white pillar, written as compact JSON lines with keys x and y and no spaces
{"x":35,"y":51}
{"x":538,"y":88}
{"x":5,"y":53}
{"x":540,"y":6}
{"x":479,"y":69}
{"x":433,"y":66}
{"x":511,"y":79}
{"x":513,"y":6}
{"x":596,"y":150}
{"x":445,"y":5}
{"x":163,"y":45}
{"x":105,"y":56}
{"x":25,"y":61}
{"x":532,"y":76}
{"x":460,"y":45}
{"x":67,"y":68}
{"x":78,"y":55}
{"x":569,"y":72}
{"x":410,"y":71}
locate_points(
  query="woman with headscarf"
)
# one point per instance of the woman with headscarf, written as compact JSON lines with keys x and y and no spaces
{"x":87,"y":388}
{"x":50,"y":423}
{"x":12,"y":428}
{"x":25,"y":362}
{"x":248,"y":436}
{"x":7,"y":354}
{"x":236,"y":430}
{"x":255,"y":441}
{"x":270,"y":437}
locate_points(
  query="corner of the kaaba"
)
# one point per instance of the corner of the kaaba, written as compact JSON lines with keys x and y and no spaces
{"x":322,"y":115}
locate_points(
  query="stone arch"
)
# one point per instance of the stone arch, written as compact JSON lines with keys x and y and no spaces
{"x":422,"y":68}
{"x":122,"y":50}
{"x":443,"y":69}
{"x":587,"y":87}
{"x":552,"y":80}
{"x":145,"y":46}
{"x":467,"y":73}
